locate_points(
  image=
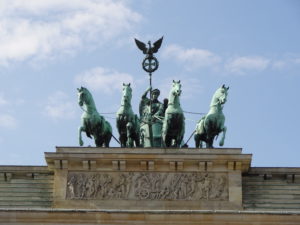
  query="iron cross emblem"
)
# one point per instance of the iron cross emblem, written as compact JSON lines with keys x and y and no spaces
{"x":150,"y":64}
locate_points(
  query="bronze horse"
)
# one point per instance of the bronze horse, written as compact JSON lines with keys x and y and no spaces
{"x":174,"y":121}
{"x":127,"y":122}
{"x":213,"y":122}
{"x":92,"y":123}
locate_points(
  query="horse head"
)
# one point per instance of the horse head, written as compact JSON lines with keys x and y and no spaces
{"x":81,"y":96}
{"x":176,"y":88}
{"x":127,"y":94}
{"x":84,"y":96}
{"x":220,"y":96}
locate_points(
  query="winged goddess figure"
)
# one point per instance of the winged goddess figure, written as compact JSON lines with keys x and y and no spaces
{"x":151,"y":49}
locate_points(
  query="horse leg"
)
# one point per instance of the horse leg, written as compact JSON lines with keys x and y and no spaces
{"x":209,"y":142}
{"x":164,"y":137}
{"x":120,"y":127}
{"x":221,"y":143}
{"x":136,"y":131}
{"x":136,"y":139}
{"x":178,"y":141}
{"x":129,"y":142}
{"x":123,"y":140}
{"x":107,"y":140}
{"x":142,"y":137}
{"x":200,"y":143}
{"x":97,"y":141}
{"x":80,"y":129}
{"x":197,"y":140}
{"x":181,"y":133}
{"x":168,"y":141}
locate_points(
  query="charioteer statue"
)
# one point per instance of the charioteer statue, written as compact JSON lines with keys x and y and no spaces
{"x":151,"y":117}
{"x":151,"y":110}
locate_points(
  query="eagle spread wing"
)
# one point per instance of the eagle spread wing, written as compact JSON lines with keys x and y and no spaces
{"x":156,"y":45}
{"x":141,"y":46}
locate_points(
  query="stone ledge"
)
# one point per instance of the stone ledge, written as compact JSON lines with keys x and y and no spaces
{"x":150,"y":211}
{"x":112,"y":150}
{"x":24,"y":169}
{"x":147,"y":217}
{"x":274,"y":170}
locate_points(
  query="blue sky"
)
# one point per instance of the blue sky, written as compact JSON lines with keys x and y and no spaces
{"x":49,"y":48}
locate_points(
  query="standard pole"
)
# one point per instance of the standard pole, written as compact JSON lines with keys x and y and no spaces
{"x":150,"y":122}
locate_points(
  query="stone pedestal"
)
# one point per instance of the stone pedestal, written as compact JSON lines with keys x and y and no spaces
{"x":148,"y":179}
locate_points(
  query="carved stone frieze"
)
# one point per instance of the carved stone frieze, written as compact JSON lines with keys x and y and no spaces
{"x":147,"y":186}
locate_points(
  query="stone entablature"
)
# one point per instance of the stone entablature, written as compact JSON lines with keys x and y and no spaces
{"x":122,"y":159}
{"x":148,"y":178}
{"x":130,"y":186}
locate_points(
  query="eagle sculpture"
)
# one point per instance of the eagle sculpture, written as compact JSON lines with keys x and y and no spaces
{"x":152,"y":49}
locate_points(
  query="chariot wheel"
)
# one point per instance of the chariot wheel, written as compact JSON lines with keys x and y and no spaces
{"x":144,"y":194}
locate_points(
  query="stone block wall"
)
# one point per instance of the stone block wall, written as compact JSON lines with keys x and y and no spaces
{"x":25,"y":187}
{"x":271,"y":189}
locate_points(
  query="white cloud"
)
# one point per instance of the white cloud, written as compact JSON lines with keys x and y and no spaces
{"x":286,"y":62}
{"x":37,"y":29}
{"x":2,"y":100}
{"x":241,"y":64}
{"x":296,"y":60}
{"x":193,"y":58}
{"x":9,"y":103}
{"x":7,"y":121}
{"x":279,"y":64}
{"x":59,"y":106}
{"x":102,"y":79}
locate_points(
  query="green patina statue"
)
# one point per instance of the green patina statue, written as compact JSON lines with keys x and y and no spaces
{"x":174,"y":121}
{"x":128,"y":124}
{"x":92,"y":123}
{"x":212,"y":123}
{"x":160,"y":124}
{"x":151,"y":116}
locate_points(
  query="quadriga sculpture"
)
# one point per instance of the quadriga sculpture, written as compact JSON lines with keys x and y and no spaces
{"x":174,"y":121}
{"x":127,"y":122}
{"x":92,"y":123}
{"x":212,"y":123}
